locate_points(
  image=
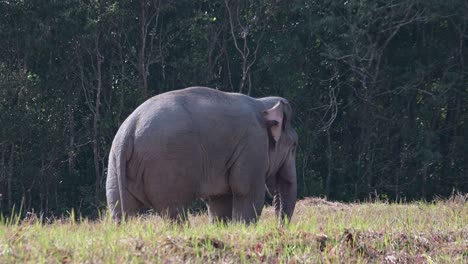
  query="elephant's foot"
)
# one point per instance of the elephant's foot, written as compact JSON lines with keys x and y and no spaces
{"x":220,"y":208}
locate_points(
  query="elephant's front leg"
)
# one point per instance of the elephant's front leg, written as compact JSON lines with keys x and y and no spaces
{"x":248,"y":208}
{"x":247,"y":179}
{"x":220,"y":208}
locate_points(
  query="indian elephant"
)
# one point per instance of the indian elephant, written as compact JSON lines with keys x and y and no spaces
{"x":202,"y":143}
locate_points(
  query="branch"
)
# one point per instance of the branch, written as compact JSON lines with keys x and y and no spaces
{"x":232,"y":27}
{"x":82,"y":82}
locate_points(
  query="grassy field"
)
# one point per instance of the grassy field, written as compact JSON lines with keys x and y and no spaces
{"x":321,"y":232}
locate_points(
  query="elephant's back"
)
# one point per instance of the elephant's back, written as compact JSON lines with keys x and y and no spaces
{"x":196,"y":109}
{"x":182,"y":120}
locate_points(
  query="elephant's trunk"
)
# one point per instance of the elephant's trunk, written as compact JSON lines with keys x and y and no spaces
{"x":287,"y":195}
{"x":286,"y":191}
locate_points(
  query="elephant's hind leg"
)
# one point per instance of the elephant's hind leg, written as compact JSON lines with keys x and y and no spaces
{"x":123,"y":204}
{"x":131,"y":206}
{"x":220,"y":208}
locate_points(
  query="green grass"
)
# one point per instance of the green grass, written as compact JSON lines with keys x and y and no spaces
{"x":320,"y":232}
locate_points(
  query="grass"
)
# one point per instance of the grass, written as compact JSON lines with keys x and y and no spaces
{"x":320,"y":232}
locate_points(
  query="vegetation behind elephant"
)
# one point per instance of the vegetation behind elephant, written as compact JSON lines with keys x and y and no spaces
{"x":201,"y":143}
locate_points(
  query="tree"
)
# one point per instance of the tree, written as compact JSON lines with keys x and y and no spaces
{"x":379,"y":88}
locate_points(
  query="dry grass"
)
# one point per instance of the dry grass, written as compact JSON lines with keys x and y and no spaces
{"x":321,"y":232}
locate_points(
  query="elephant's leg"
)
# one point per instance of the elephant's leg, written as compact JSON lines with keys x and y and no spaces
{"x":131,"y":205}
{"x":248,"y":208}
{"x":247,"y":180}
{"x":220,"y":208}
{"x":175,"y":214}
{"x":131,"y":208}
{"x":170,"y":187}
{"x":179,"y":215}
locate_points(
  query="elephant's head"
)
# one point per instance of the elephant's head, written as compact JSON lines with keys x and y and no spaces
{"x":281,"y":180}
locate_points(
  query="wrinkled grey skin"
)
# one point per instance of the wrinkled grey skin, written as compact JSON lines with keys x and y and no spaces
{"x":201,"y":143}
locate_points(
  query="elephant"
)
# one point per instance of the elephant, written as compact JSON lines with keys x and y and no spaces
{"x":227,"y":149}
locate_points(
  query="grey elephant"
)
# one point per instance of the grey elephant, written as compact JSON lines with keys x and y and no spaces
{"x":201,"y":143}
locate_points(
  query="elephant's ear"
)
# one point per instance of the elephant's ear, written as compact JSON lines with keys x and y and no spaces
{"x":274,"y":119}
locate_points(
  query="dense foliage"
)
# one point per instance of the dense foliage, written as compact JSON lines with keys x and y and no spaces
{"x":380,"y":88}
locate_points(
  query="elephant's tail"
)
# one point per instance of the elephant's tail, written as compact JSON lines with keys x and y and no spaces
{"x":125,"y":154}
{"x":122,"y":149}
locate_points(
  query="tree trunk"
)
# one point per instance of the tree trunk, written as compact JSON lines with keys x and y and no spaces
{"x":141,"y":52}
{"x":329,"y":165}
{"x":446,"y":137}
{"x":71,"y":143}
{"x":97,"y":117}
{"x":10,"y":176}
{"x":2,"y":175}
{"x":424,"y":182}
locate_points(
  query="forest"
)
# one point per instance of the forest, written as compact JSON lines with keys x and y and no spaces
{"x":379,"y":89}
